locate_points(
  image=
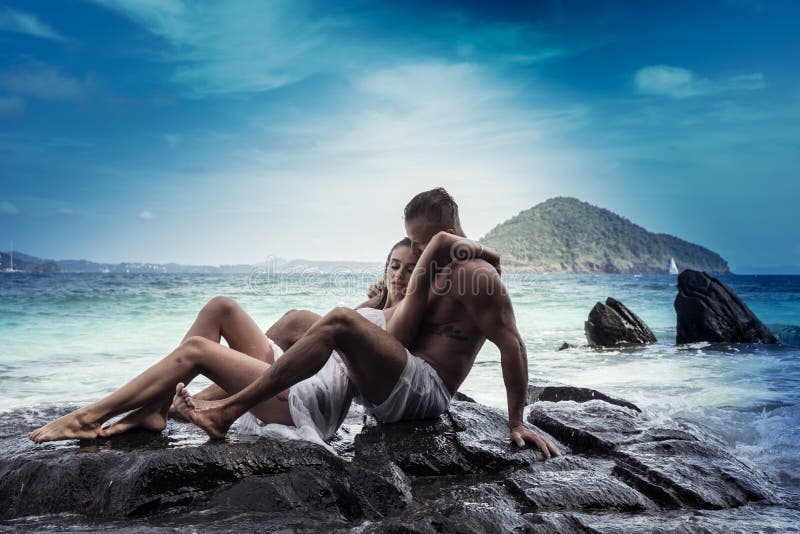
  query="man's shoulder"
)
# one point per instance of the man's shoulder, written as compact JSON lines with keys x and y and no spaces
{"x":477,"y":278}
{"x":475,"y":265}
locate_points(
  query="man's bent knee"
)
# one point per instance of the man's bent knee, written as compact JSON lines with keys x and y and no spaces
{"x":339,"y":321}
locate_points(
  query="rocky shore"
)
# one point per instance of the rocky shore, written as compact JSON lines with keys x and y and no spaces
{"x":621,"y":471}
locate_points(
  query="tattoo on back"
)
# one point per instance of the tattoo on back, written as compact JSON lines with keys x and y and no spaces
{"x":445,"y":330}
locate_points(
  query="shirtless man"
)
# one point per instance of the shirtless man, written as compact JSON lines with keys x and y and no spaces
{"x":448,"y":313}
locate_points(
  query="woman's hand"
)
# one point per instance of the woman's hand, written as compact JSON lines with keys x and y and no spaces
{"x":376,"y":289}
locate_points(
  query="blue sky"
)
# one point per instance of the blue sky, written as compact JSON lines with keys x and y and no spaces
{"x":227,"y":132}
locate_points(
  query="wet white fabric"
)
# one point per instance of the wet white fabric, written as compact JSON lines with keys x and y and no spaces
{"x":420,"y":393}
{"x":318,"y":404}
{"x":374,"y":316}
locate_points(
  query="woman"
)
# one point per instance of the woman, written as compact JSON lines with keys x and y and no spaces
{"x":150,"y":394}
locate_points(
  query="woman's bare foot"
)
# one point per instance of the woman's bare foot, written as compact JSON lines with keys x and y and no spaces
{"x":74,"y":425}
{"x":173,"y":413}
{"x":208,"y":415}
{"x":145,"y":418}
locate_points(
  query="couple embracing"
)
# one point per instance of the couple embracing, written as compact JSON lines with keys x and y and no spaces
{"x":403,"y":354}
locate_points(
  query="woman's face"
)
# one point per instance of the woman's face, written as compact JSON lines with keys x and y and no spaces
{"x":401,"y":263}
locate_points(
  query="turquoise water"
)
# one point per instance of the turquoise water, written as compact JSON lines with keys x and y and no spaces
{"x":70,"y":338}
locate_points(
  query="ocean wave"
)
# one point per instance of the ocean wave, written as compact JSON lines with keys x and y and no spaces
{"x":768,"y":439}
{"x":787,"y":334}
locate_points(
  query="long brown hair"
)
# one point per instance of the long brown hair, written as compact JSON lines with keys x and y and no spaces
{"x":405,"y":242}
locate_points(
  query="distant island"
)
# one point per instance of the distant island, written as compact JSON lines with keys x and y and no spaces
{"x":559,"y":235}
{"x":31,"y":264}
{"x":564,"y":234}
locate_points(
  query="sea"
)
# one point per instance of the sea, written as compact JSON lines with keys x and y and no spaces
{"x":68,"y":339}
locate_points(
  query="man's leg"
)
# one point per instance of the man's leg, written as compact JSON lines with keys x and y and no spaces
{"x":374,"y":358}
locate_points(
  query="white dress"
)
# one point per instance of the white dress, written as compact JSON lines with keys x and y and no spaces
{"x":318,"y":404}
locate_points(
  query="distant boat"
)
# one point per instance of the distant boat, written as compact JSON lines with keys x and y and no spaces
{"x":673,"y":269}
{"x":11,"y":269}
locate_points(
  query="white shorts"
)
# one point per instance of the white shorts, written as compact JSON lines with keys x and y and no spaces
{"x":318,"y":404}
{"x":420,"y":393}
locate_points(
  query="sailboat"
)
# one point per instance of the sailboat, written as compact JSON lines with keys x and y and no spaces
{"x":11,"y":269}
{"x":673,"y":269}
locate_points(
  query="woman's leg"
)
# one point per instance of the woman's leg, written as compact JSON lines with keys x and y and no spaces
{"x":291,"y":327}
{"x":155,"y":388}
{"x":223,"y":317}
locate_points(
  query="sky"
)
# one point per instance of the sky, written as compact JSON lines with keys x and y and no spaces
{"x":229,"y":132}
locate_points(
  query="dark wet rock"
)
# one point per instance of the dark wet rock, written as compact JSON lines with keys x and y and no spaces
{"x":383,"y":488}
{"x":689,"y":474}
{"x":469,"y":507}
{"x":552,"y":522}
{"x":742,"y":520}
{"x":593,"y":427}
{"x":482,"y":437}
{"x":545,"y":390}
{"x":111,"y":480}
{"x":566,"y":484}
{"x":455,"y":473}
{"x":567,"y":346}
{"x":462,"y":397}
{"x":419,"y":448}
{"x":672,"y":463}
{"x":470,"y":438}
{"x":613,"y":324}
{"x":708,"y":310}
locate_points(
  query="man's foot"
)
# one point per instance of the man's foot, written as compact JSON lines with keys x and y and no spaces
{"x":208,"y":415}
{"x":146,"y":418}
{"x":212,"y":392}
{"x":74,"y":425}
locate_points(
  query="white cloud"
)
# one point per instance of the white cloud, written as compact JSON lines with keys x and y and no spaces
{"x":431,"y":106}
{"x":146,"y":215}
{"x":516,"y":44}
{"x":677,"y":82}
{"x":11,"y":105}
{"x":44,"y":82}
{"x":240,"y":46}
{"x":25,"y":23}
{"x":234,"y":46}
{"x":7,"y":208}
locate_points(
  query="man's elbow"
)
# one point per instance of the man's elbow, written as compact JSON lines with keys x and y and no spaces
{"x":515,"y":352}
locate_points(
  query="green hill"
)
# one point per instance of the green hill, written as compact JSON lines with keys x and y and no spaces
{"x":567,"y":235}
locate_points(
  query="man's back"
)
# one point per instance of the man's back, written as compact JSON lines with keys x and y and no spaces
{"x":449,"y":338}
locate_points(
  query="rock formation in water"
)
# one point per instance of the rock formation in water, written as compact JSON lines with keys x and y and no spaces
{"x":613,"y":324}
{"x":708,"y":310}
{"x":456,"y":473}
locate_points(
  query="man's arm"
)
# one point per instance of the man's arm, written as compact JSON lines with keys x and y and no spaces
{"x":487,"y":302}
{"x":443,"y":249}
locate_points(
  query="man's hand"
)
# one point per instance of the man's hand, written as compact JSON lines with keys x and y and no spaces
{"x":520,"y":434}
